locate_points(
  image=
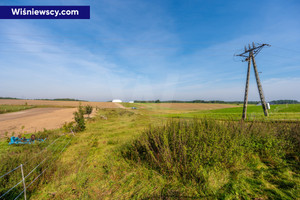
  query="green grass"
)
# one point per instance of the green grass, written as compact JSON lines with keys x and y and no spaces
{"x":93,"y":167}
{"x":191,"y":158}
{"x":277,"y":112}
{"x":223,"y":160}
{"x":30,"y":155}
{"x":13,"y":108}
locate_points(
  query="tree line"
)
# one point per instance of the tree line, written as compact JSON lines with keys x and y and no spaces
{"x":218,"y":101}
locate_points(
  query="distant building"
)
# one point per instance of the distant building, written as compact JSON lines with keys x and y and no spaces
{"x":117,"y":101}
{"x":130,"y":101}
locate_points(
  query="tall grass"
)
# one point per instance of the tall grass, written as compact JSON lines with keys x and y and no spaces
{"x":39,"y":154}
{"x":224,"y":159}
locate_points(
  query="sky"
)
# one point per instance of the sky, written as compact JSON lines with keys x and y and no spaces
{"x":148,"y":50}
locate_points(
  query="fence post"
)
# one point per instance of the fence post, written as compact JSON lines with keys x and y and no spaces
{"x":24,"y":184}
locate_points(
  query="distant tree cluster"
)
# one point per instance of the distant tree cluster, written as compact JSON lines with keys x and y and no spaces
{"x":196,"y":101}
{"x":284,"y":102}
{"x":218,"y":101}
{"x":7,"y":98}
{"x":62,"y":99}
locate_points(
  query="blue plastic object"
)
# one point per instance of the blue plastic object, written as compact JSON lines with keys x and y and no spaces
{"x":16,"y":140}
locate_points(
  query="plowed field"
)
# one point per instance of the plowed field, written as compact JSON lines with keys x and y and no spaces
{"x":58,"y":103}
{"x":37,"y":119}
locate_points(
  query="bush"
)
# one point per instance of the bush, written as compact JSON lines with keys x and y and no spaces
{"x":79,"y":119}
{"x":88,"y":110}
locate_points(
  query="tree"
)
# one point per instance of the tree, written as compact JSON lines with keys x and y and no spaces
{"x":88,"y":110}
{"x":79,"y":119}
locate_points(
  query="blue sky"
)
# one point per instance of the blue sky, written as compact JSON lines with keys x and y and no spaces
{"x":151,"y":50}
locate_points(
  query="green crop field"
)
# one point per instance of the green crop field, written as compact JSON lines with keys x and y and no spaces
{"x":277,"y":112}
{"x":162,"y":153}
{"x":13,"y":108}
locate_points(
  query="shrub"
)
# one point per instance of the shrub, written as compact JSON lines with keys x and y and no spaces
{"x":79,"y":119}
{"x":88,"y":110}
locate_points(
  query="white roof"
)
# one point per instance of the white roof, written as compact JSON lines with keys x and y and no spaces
{"x":117,"y":100}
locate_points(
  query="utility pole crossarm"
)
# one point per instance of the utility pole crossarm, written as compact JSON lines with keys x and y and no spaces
{"x":255,"y":50}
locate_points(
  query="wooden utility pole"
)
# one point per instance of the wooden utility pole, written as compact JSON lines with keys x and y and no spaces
{"x":260,"y":90}
{"x":252,"y":52}
{"x":246,"y":90}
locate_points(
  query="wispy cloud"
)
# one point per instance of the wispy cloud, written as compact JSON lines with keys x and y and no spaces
{"x":135,"y":50}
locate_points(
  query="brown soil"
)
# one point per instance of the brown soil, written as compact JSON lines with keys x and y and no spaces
{"x":58,"y":103}
{"x":37,"y":119}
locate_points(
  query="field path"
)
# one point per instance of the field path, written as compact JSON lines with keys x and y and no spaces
{"x":35,"y":119}
{"x":119,"y":105}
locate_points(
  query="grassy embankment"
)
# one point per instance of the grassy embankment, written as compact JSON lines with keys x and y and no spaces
{"x":14,"y":108}
{"x":121,"y":157}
